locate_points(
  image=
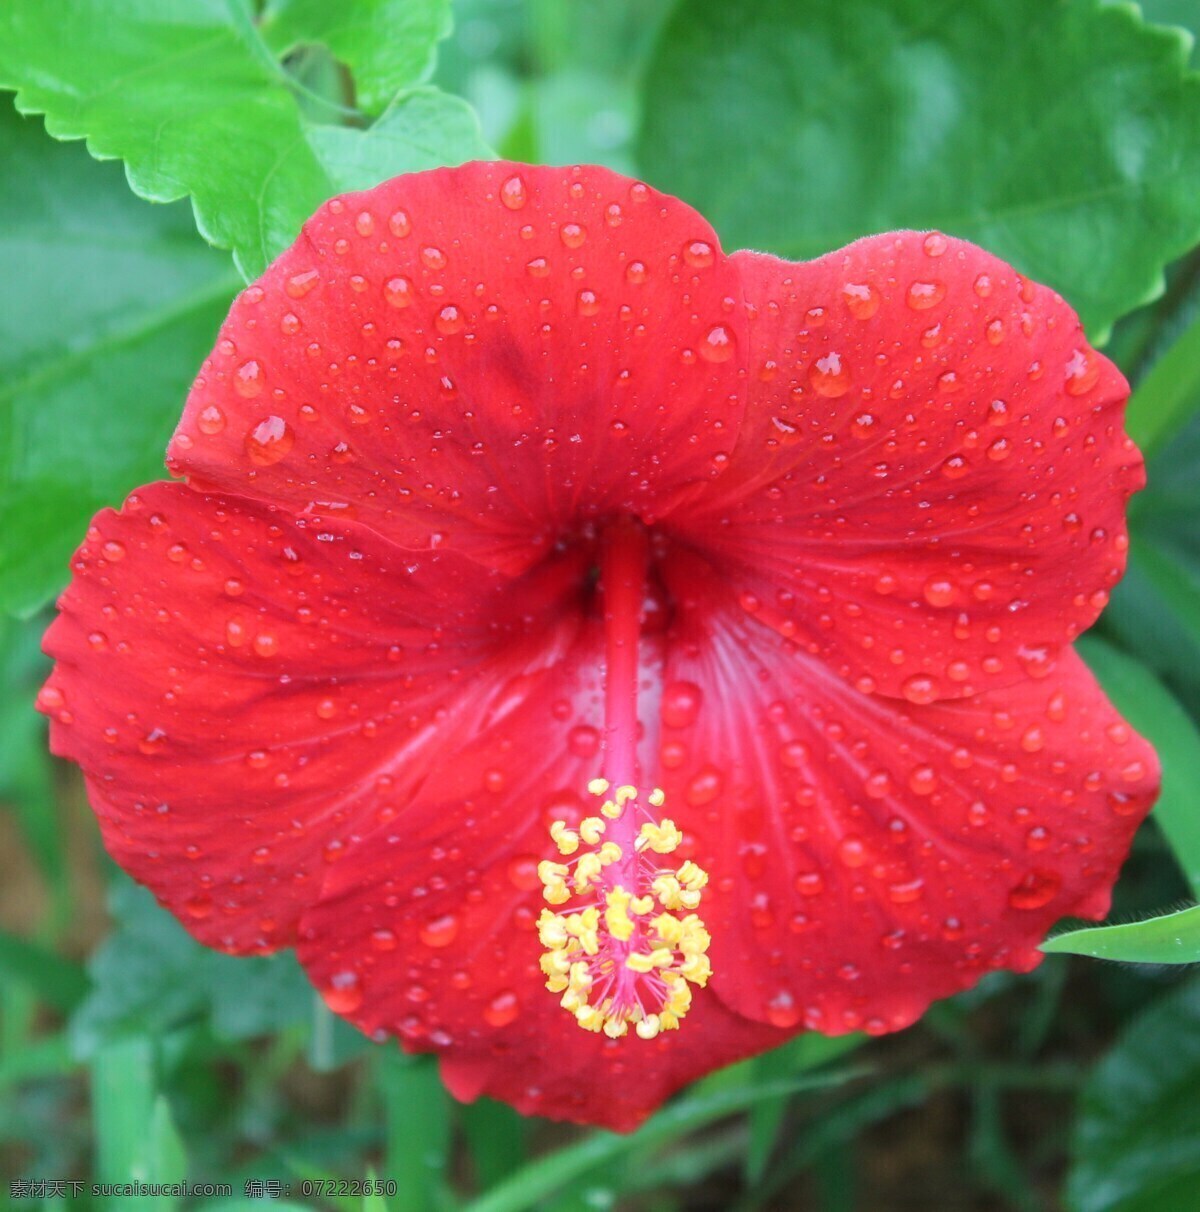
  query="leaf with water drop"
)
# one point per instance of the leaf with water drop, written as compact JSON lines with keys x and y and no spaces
{"x":1074,"y":153}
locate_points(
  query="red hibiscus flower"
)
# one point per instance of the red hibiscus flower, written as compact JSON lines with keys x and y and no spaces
{"x":503,"y":482}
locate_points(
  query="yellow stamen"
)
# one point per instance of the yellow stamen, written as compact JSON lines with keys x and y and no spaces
{"x":642,"y":952}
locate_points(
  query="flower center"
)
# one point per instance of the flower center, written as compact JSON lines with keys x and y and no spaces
{"x":628,"y":946}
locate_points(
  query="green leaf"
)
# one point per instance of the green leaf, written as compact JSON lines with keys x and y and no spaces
{"x":1150,"y":708}
{"x":195,"y":102}
{"x":25,"y":783}
{"x":1173,"y":938}
{"x":417,"y":1112}
{"x":1137,"y":1139}
{"x":107,"y":307}
{"x":1168,"y":396}
{"x":544,"y":1175}
{"x":389,"y":45}
{"x":136,"y":1140}
{"x":1063,"y":137}
{"x":150,"y":975}
{"x":59,"y":982}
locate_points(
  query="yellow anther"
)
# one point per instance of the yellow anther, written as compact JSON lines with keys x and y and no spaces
{"x":587,"y":870}
{"x":590,"y":829}
{"x":556,"y":893}
{"x":552,"y":930}
{"x":614,"y":1028}
{"x":598,"y":786}
{"x":649,"y":1027}
{"x":666,"y":888}
{"x":550,"y":872}
{"x":590,"y":1018}
{"x":609,"y":853}
{"x":662,"y":839}
{"x":697,"y":969}
{"x":616,"y":916}
{"x":610,"y":810}
{"x":625,"y":793}
{"x":656,"y":797}
{"x":642,"y":905}
{"x":692,"y":876}
{"x":567,"y":840}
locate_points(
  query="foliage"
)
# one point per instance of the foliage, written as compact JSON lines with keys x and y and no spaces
{"x":1064,"y":136}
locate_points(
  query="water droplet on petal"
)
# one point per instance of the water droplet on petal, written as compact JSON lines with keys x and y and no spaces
{"x":248,"y":380}
{"x":1082,"y":372}
{"x":398,"y":292}
{"x":920,"y":688}
{"x":211,"y":420}
{"x":718,"y":344}
{"x":924,"y":295}
{"x":343,"y":995}
{"x":513,"y":194}
{"x":503,"y":1009}
{"x":269,"y":441}
{"x":680,"y":704}
{"x":433,"y":257}
{"x":440,"y":931}
{"x":829,"y":377}
{"x":449,"y":320}
{"x":300,"y":284}
{"x":935,"y":244}
{"x":1037,"y":889}
{"x":572,"y":234}
{"x":783,"y":1011}
{"x":862,"y":299}
{"x":699,"y":254}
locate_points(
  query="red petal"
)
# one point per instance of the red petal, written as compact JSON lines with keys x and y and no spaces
{"x":248,"y":692}
{"x":428,"y":930}
{"x":867,"y":855}
{"x":929,"y":488}
{"x":481,"y":357}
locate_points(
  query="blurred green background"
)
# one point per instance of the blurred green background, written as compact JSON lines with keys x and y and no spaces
{"x":1064,"y":135}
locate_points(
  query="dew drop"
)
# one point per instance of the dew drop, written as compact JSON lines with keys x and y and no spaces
{"x":920,"y":689}
{"x":300,"y":284}
{"x":718,"y":344}
{"x":586,"y":303}
{"x":1082,"y":372}
{"x":269,"y":441}
{"x":782,"y":1010}
{"x":680,"y":704}
{"x":829,"y":377}
{"x":698,"y":254}
{"x":503,"y":1009}
{"x":513,"y":193}
{"x":1037,"y":889}
{"x":211,"y":420}
{"x":940,"y":591}
{"x":935,"y":244}
{"x":449,"y":320}
{"x":398,"y":292}
{"x":635,"y":272}
{"x":399,"y":224}
{"x":572,"y":234}
{"x":343,"y":995}
{"x":439,"y":931}
{"x":433,"y":257}
{"x":861,"y":298}
{"x":248,"y":380}
{"x":538,"y":267}
{"x":924,"y":295}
